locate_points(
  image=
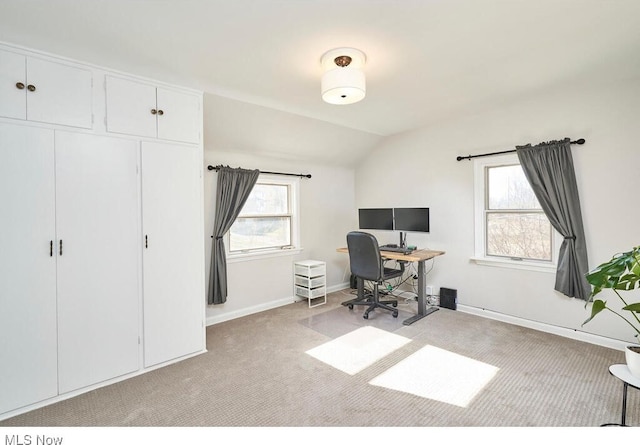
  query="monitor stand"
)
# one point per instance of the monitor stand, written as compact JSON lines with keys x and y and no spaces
{"x":403,"y":240}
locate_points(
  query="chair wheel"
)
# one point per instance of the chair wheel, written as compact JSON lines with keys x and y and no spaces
{"x":394,"y":304}
{"x":395,"y":314}
{"x":365,"y":316}
{"x":350,"y":306}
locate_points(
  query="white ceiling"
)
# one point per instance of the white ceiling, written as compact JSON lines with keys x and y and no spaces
{"x":427,"y":60}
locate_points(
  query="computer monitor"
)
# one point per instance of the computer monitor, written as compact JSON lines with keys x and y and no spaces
{"x":377,"y":219}
{"x":411,"y":219}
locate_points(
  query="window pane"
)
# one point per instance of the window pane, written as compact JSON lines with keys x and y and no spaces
{"x":259,"y":233}
{"x":519,"y":235}
{"x":267,"y":199}
{"x":509,"y":189}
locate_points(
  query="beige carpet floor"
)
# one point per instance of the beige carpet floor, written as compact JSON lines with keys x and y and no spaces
{"x":326,"y":366}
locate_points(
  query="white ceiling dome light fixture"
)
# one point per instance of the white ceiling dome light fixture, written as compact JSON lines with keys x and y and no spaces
{"x":343,"y":81}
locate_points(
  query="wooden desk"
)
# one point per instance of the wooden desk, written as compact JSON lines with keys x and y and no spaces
{"x":419,"y":256}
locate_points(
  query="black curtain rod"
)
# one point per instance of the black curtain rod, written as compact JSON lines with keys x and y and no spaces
{"x":217,"y":167}
{"x":460,"y":158}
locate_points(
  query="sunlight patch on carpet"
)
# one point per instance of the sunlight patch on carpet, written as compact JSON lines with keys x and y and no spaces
{"x":437,"y":374}
{"x":355,"y":351}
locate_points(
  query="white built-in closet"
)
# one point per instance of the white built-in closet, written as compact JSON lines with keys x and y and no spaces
{"x":101,"y":227}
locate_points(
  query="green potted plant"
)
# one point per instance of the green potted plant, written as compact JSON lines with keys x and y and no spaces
{"x":620,"y":274}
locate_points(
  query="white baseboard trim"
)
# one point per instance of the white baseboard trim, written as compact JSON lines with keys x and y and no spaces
{"x":338,"y":287}
{"x":563,"y":332}
{"x":215,"y":319}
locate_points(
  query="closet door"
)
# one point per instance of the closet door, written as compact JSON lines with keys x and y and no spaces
{"x":98,"y":258}
{"x":61,"y":95}
{"x":131,"y":107}
{"x":180,"y":119}
{"x":27,"y":267}
{"x":173,"y":257}
{"x":13,"y":78}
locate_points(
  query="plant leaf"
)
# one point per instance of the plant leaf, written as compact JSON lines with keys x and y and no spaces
{"x":634,"y":307}
{"x":598,"y":306}
{"x":621,"y":272}
{"x":628,"y":282}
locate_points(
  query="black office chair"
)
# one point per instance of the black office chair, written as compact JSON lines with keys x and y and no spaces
{"x":367,"y":264}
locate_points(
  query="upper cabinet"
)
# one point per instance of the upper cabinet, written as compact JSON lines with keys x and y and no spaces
{"x":39,"y":90}
{"x":143,"y":109}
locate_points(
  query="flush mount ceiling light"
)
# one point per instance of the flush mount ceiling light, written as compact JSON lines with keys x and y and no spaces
{"x":343,"y":81}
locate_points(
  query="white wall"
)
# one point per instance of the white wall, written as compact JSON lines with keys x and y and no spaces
{"x":420,"y":169}
{"x":327,"y":202}
{"x":240,"y":134}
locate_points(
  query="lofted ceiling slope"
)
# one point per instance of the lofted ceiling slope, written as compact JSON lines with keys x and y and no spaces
{"x":427,"y":60}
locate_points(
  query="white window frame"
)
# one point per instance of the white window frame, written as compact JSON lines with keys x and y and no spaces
{"x":480,"y":192}
{"x":293,"y":183}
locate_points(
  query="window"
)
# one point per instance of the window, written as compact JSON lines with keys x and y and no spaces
{"x":268,"y":222}
{"x":511,"y":228}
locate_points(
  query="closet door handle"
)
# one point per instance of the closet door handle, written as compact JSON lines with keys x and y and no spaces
{"x":154,"y":111}
{"x":160,"y":112}
{"x":146,"y":242}
{"x":51,"y":248}
{"x":20,"y":86}
{"x":60,"y":251}
{"x":31,"y":87}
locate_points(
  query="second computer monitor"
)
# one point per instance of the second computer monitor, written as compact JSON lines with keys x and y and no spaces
{"x":411,"y":219}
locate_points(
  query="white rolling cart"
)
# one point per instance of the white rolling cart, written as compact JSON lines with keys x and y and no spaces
{"x":309,"y":281}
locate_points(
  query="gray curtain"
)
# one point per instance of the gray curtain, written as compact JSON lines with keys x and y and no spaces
{"x":549,"y":169}
{"x":233,"y":189}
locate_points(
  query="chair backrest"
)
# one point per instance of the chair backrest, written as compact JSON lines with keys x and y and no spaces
{"x":364,"y":256}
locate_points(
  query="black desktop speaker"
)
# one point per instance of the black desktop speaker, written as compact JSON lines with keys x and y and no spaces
{"x":448,"y":298}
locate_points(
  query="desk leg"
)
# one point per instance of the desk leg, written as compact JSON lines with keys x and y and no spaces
{"x":422,"y":297}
